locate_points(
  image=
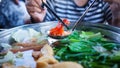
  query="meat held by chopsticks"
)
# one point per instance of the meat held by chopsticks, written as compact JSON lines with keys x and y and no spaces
{"x":59,"y":29}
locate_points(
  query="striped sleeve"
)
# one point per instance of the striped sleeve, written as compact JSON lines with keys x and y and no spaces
{"x":107,"y":12}
{"x":49,"y":16}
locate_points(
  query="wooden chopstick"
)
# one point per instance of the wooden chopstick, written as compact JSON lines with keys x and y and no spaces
{"x":44,"y":4}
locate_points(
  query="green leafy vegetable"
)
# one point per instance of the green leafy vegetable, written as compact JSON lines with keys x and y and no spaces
{"x":90,"y":49}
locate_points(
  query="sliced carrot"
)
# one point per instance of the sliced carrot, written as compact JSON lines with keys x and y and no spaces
{"x":59,"y":29}
{"x":66,"y":21}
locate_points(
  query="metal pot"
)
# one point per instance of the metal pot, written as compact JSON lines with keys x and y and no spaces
{"x":110,"y":32}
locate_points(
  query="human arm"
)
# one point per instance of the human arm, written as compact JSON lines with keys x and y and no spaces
{"x":115,"y":7}
{"x":40,"y":17}
{"x":35,"y":10}
{"x":12,"y":15}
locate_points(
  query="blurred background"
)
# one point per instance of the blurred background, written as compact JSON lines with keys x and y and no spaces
{"x":13,"y":13}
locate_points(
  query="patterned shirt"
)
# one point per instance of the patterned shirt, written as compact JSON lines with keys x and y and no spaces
{"x":98,"y":13}
{"x":11,"y":15}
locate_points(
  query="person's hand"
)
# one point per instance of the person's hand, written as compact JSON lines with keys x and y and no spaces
{"x":115,"y":5}
{"x":35,"y":10}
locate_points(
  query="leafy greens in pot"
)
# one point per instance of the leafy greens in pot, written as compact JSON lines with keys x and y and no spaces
{"x":90,"y":49}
